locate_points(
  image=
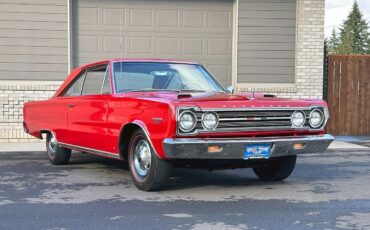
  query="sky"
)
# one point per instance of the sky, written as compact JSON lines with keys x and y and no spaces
{"x":338,"y":10}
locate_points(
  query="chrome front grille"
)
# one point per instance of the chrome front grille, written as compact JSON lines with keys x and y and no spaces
{"x":249,"y":119}
{"x":254,"y":119}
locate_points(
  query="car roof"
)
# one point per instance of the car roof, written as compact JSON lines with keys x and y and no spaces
{"x":139,"y":60}
{"x":78,"y":70}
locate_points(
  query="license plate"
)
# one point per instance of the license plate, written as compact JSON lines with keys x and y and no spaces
{"x":257,"y":151}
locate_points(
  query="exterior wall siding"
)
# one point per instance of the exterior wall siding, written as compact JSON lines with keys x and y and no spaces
{"x":13,"y":93}
{"x":33,"y":40}
{"x":309,"y":51}
{"x":266,"y":41}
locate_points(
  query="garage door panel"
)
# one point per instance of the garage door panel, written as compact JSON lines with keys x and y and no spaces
{"x":167,"y":45}
{"x":88,"y":16}
{"x":114,"y":17}
{"x":191,"y":30}
{"x":219,"y":19}
{"x":141,"y":18}
{"x":113,"y":44}
{"x":219,"y":46}
{"x":167,"y":19}
{"x":192,"y":46}
{"x":221,"y":71}
{"x":140,"y":45}
{"x":88,"y":44}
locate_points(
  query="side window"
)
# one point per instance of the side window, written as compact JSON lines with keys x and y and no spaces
{"x":93,"y":81}
{"x":106,"y":89}
{"x":76,"y":87}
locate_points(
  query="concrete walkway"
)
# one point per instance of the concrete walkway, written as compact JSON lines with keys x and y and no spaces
{"x":40,"y":146}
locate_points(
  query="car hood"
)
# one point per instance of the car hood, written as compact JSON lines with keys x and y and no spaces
{"x":222,"y":100}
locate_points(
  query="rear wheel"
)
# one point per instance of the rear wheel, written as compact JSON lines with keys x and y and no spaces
{"x":148,"y":171}
{"x":276,"y":170}
{"x":57,"y":155}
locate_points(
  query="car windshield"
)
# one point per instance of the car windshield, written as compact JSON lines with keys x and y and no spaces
{"x":147,"y":76}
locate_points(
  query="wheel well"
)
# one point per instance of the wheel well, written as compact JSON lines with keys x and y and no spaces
{"x":47,"y":132}
{"x":125,"y":137}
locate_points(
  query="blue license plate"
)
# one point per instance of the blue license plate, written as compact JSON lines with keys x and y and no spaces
{"x":257,"y":151}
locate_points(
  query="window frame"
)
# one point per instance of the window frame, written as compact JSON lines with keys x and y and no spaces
{"x":113,"y":78}
{"x":107,"y":74}
{"x":83,"y":74}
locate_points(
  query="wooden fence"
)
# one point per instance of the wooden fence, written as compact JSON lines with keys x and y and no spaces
{"x":349,"y":94}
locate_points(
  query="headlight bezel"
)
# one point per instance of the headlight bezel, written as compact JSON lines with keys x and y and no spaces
{"x":216,"y":124}
{"x":194,"y":119}
{"x":323,"y":117}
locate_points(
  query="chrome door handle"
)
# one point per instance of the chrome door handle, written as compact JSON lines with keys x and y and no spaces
{"x":71,"y":105}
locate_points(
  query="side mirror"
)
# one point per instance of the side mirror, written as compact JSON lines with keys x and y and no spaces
{"x":230,"y":89}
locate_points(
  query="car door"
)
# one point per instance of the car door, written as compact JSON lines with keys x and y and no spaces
{"x":87,"y":114}
{"x":61,"y":105}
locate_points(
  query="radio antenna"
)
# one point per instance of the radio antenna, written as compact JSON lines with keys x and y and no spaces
{"x":120,"y":45}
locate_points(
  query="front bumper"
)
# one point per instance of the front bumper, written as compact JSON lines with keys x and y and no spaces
{"x":197,"y":148}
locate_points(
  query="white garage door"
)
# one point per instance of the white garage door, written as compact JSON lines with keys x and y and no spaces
{"x":198,"y":30}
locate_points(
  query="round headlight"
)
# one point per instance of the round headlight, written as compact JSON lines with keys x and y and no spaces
{"x":298,"y":119}
{"x":210,"y":120}
{"x":187,"y":121}
{"x":316,"y":118}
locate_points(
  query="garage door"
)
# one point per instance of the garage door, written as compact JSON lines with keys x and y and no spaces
{"x":199,"y":30}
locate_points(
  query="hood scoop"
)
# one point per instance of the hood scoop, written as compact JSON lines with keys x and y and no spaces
{"x":184,"y":95}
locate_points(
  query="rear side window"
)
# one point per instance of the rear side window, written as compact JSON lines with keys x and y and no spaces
{"x":76,"y":87}
{"x":93,"y":82}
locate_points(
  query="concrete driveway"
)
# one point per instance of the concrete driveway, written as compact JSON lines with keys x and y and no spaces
{"x":326,"y":191}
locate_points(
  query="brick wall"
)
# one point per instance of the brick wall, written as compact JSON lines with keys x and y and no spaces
{"x":13,"y":94}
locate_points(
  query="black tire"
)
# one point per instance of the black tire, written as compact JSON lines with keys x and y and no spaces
{"x":276,"y":169}
{"x":159,"y":171}
{"x":57,"y":155}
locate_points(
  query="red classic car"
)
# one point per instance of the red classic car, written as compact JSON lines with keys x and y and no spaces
{"x":156,"y":114}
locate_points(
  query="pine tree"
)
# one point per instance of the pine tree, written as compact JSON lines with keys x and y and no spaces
{"x":346,"y":44}
{"x":356,"y":31}
{"x":333,"y":42}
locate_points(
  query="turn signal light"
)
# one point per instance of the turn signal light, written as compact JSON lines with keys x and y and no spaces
{"x":214,"y":149}
{"x":298,"y":146}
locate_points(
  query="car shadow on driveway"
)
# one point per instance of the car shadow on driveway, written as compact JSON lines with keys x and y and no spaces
{"x":184,"y":178}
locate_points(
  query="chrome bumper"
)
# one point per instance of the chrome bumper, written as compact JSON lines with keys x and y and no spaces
{"x":197,"y":148}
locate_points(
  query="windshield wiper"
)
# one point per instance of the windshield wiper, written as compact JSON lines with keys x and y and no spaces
{"x":148,"y":89}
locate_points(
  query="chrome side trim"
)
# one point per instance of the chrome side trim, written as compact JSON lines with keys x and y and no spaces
{"x":92,"y":151}
{"x":148,"y":137}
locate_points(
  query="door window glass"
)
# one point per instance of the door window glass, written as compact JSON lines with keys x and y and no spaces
{"x":93,"y":81}
{"x":76,"y":87}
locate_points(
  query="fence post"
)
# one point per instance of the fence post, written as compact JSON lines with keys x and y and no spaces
{"x":325,"y":75}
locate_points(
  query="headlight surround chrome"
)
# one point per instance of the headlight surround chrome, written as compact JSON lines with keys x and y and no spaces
{"x":210,"y":120}
{"x":298,"y":119}
{"x":187,"y":121}
{"x":317,"y":118}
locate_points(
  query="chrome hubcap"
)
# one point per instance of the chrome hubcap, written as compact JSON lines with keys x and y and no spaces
{"x":142,"y":158}
{"x":53,"y":144}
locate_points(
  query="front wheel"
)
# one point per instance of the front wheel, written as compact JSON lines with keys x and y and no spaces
{"x":148,"y":171}
{"x":276,"y":170}
{"x":57,"y":155}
